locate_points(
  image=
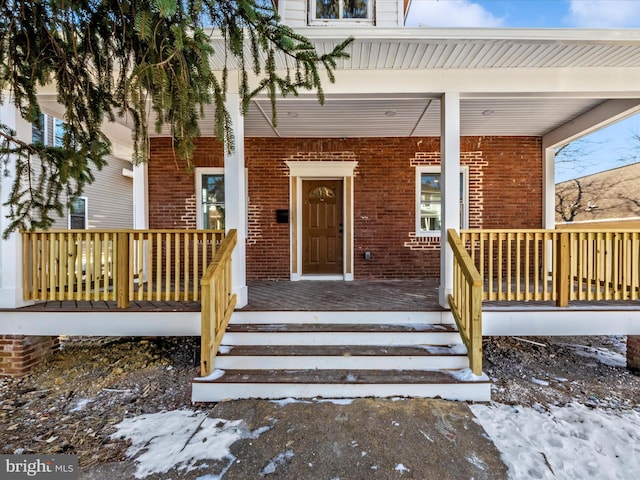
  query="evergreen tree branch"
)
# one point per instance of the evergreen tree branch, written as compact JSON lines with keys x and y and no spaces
{"x":140,"y":59}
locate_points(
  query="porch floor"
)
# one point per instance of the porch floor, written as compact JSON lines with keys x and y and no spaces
{"x":359,"y":295}
{"x":315,"y":295}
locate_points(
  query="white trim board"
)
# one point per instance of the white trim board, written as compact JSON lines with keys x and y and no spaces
{"x":118,"y":324}
{"x":560,"y":322}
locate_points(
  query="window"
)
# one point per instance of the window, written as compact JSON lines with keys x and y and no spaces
{"x":48,"y":130}
{"x":341,"y":10}
{"x":210,"y":198}
{"x":429,"y":200}
{"x":78,"y":214}
{"x":58,"y":132}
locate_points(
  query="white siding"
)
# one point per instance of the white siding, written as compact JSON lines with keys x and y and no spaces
{"x":295,"y":13}
{"x":110,"y":198}
{"x":387,"y":13}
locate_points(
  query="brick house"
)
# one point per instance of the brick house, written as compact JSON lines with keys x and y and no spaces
{"x":425,"y":130}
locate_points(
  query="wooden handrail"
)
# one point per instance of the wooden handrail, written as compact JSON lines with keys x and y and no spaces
{"x":466,"y":301}
{"x":218,"y":302}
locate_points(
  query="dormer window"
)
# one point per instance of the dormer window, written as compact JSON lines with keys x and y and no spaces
{"x":342,"y":11}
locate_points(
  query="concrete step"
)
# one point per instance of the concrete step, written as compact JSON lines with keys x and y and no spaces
{"x":342,"y":357}
{"x":340,"y":334}
{"x":277,"y":384}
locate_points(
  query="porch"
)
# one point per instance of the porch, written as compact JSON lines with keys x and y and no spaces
{"x":359,"y":332}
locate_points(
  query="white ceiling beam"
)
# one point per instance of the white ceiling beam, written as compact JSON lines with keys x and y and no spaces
{"x":599,"y":117}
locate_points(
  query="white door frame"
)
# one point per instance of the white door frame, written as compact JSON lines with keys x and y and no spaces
{"x":314,"y":170}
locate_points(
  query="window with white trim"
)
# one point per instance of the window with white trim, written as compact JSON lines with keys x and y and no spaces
{"x":429,"y":200}
{"x":327,"y":11}
{"x":210,"y":198}
{"x":79,"y":213}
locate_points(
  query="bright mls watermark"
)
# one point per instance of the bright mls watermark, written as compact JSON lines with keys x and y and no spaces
{"x":50,"y":467}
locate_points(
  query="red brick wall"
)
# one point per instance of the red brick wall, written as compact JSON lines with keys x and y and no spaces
{"x":19,"y":353}
{"x":172,"y":190}
{"x":505,"y":192}
{"x":633,"y":353}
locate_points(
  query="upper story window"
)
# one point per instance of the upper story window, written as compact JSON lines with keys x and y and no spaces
{"x":326,"y":11}
{"x":48,"y":130}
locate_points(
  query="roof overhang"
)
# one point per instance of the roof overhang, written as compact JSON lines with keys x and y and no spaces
{"x":551,"y":83}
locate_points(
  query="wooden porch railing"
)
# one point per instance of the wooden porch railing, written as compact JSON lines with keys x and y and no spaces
{"x":121,"y":265}
{"x":466,"y":301}
{"x":218,"y":302}
{"x":560,"y":265}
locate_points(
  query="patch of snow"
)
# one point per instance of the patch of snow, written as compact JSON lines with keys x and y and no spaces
{"x":350,"y":377}
{"x":457,"y":349}
{"x":570,"y":442}
{"x":216,"y":374}
{"x":336,"y":401}
{"x":466,"y":375}
{"x":288,"y":401}
{"x":225,"y":349}
{"x":178,"y":439}
{"x":401,"y":468}
{"x":281,"y":459}
{"x":81,"y":404}
{"x":603,"y":355}
{"x":477,"y":462}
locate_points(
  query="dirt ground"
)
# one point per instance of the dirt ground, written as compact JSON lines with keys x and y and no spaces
{"x":70,"y":404}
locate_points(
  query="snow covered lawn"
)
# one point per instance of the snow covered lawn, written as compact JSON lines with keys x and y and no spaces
{"x":570,"y":442}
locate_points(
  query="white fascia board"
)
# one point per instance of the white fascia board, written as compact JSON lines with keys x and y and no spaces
{"x":599,"y":117}
{"x":519,"y":35}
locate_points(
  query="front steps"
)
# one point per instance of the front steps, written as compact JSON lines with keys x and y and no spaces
{"x":340,"y":355}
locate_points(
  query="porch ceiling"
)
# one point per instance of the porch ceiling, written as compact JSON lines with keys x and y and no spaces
{"x":409,"y":115}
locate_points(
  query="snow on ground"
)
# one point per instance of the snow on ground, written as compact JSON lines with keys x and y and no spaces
{"x":180,"y":439}
{"x":570,"y":442}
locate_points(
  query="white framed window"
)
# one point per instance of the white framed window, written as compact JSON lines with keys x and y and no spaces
{"x":429,"y":200}
{"x":79,"y":213}
{"x":342,"y":11}
{"x":210,"y":198}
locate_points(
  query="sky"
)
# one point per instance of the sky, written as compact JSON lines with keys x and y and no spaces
{"x":608,"y":148}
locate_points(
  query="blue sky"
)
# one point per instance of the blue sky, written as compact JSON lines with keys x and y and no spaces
{"x":608,"y":147}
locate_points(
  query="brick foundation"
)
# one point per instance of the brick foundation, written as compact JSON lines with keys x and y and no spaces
{"x":633,"y":353}
{"x":19,"y":353}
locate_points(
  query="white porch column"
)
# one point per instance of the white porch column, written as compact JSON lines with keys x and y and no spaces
{"x":449,"y":187}
{"x":11,"y":294}
{"x":235,"y":192}
{"x":549,"y":188}
{"x":140,"y":197}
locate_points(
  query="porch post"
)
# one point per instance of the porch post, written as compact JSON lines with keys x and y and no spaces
{"x":235,"y":188}
{"x":548,"y":188}
{"x":11,"y":292}
{"x":140,"y":197}
{"x":450,"y":187}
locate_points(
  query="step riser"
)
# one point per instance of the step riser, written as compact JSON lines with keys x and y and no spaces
{"x":480,"y":392}
{"x":341,"y":363}
{"x":401,"y":318}
{"x":341,"y":338}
